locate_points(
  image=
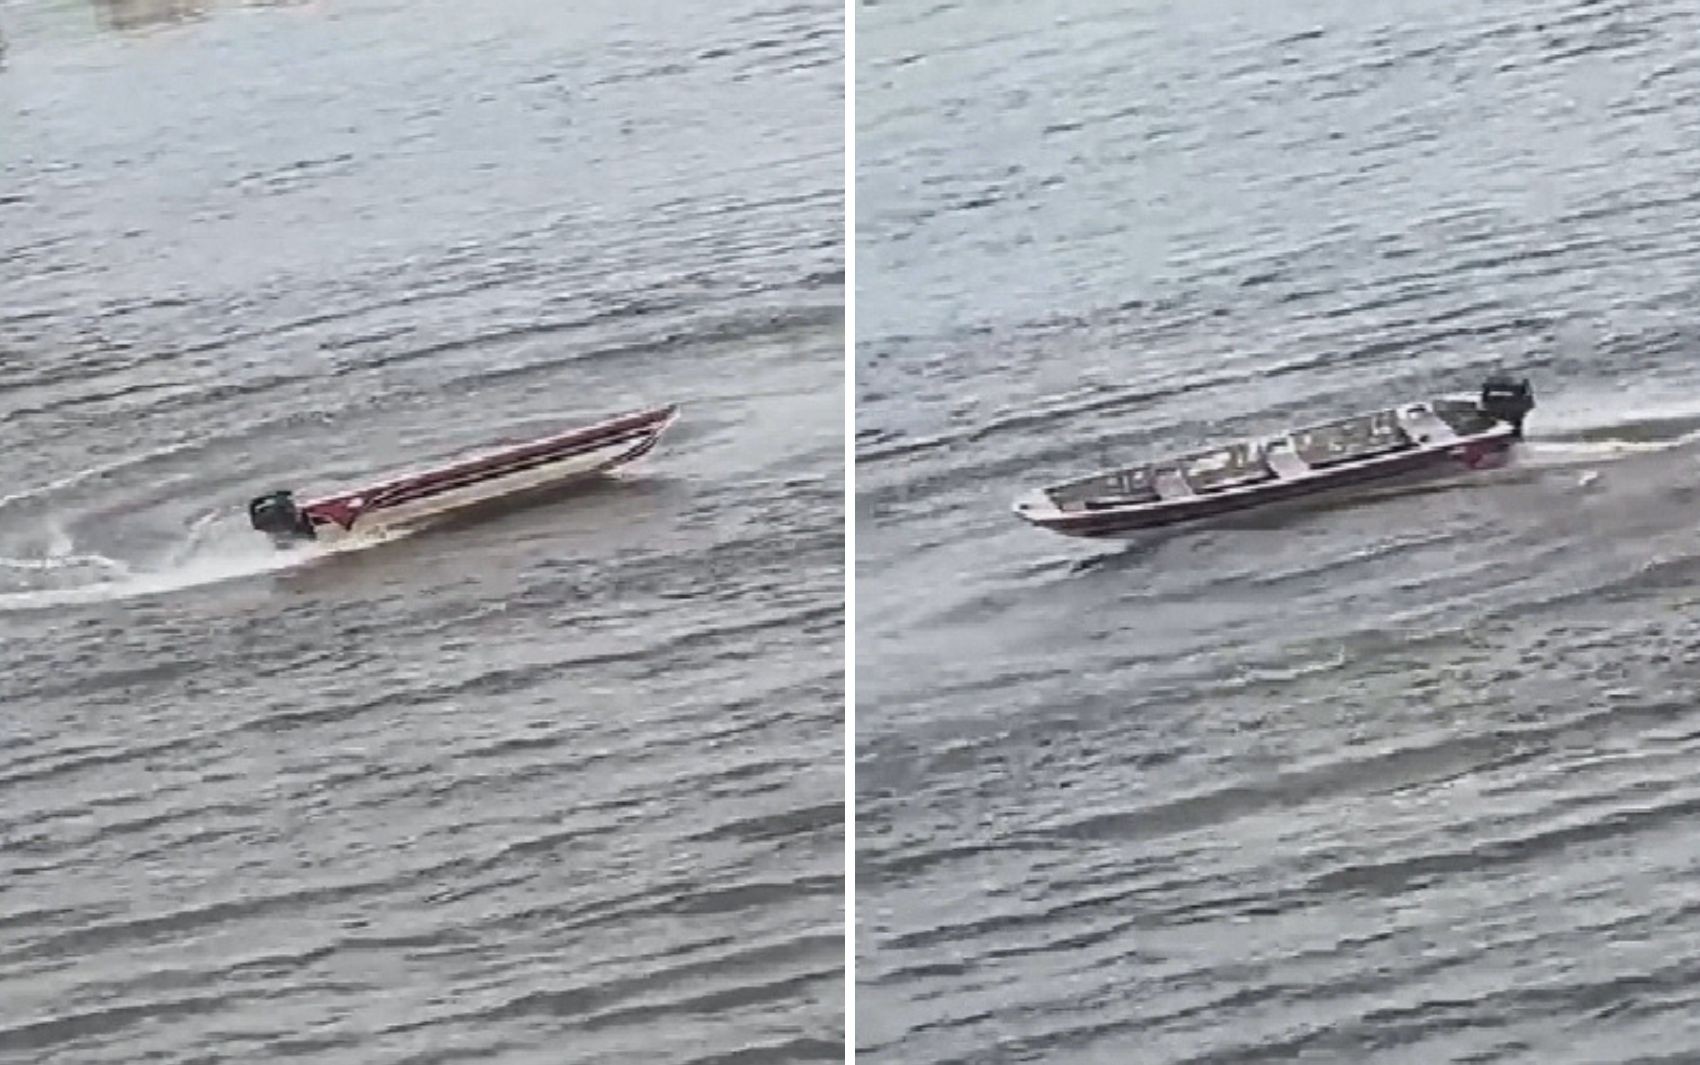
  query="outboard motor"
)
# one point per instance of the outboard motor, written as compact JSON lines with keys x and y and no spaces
{"x":277,"y":516}
{"x":1508,"y":399}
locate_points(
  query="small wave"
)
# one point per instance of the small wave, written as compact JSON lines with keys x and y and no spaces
{"x":91,"y":473}
{"x":56,"y":564}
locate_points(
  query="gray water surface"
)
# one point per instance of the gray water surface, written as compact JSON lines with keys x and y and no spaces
{"x":559,"y":785}
{"x":1403,"y":782}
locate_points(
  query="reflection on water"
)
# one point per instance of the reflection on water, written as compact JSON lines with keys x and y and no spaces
{"x":136,"y":14}
{"x":141,"y":14}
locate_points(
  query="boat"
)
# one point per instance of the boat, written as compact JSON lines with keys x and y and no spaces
{"x":499,"y":473}
{"x":1419,"y":440}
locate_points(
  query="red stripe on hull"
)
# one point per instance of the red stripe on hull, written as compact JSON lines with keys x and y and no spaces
{"x":1111,"y":523}
{"x":642,"y":428}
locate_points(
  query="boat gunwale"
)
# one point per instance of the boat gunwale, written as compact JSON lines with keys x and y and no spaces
{"x":651,"y":421}
{"x":1047,"y":513}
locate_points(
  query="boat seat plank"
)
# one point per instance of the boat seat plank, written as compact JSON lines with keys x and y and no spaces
{"x":1171,"y":484}
{"x":1285,"y":462}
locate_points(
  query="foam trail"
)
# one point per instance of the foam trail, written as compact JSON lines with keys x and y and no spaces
{"x":1654,"y":421}
{"x":58,"y":562}
{"x":199,"y":564}
{"x":1570,"y":452}
{"x":211,"y":569}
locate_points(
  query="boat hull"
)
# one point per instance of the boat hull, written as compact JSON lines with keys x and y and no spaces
{"x":552,"y":463}
{"x":1313,"y":489}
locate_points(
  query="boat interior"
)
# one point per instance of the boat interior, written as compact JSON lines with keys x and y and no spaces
{"x":1351,"y":440}
{"x":1463,"y":416}
{"x":1317,"y":447}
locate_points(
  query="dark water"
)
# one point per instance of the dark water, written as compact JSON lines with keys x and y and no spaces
{"x":1410,"y":782}
{"x":562,"y":785}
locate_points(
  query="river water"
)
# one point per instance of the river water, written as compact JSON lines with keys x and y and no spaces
{"x":560,"y":785}
{"x":1410,"y":781}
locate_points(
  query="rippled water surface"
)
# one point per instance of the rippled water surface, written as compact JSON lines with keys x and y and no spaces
{"x":559,"y":785}
{"x":1403,"y":782}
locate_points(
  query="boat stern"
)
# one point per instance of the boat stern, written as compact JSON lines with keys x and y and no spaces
{"x":276,"y":515}
{"x":1507,"y":399}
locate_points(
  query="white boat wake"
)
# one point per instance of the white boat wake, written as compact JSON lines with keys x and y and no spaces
{"x":1589,"y":457}
{"x":1539,"y":453}
{"x":212,"y":553}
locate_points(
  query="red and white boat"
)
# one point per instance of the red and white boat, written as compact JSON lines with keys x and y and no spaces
{"x":1420,"y":440}
{"x":519,"y":468}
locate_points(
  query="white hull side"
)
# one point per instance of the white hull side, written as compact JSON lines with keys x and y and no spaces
{"x":1276,"y":512}
{"x":562,"y":472}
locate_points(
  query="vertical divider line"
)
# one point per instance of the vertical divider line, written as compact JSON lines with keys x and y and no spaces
{"x":849,"y":532}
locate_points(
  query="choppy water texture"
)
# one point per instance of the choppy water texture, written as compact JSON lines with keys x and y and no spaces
{"x":1410,"y":782}
{"x":559,"y":785}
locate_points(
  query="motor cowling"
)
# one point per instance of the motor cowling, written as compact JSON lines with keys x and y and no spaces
{"x":1508,"y":399}
{"x":276,"y":515}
